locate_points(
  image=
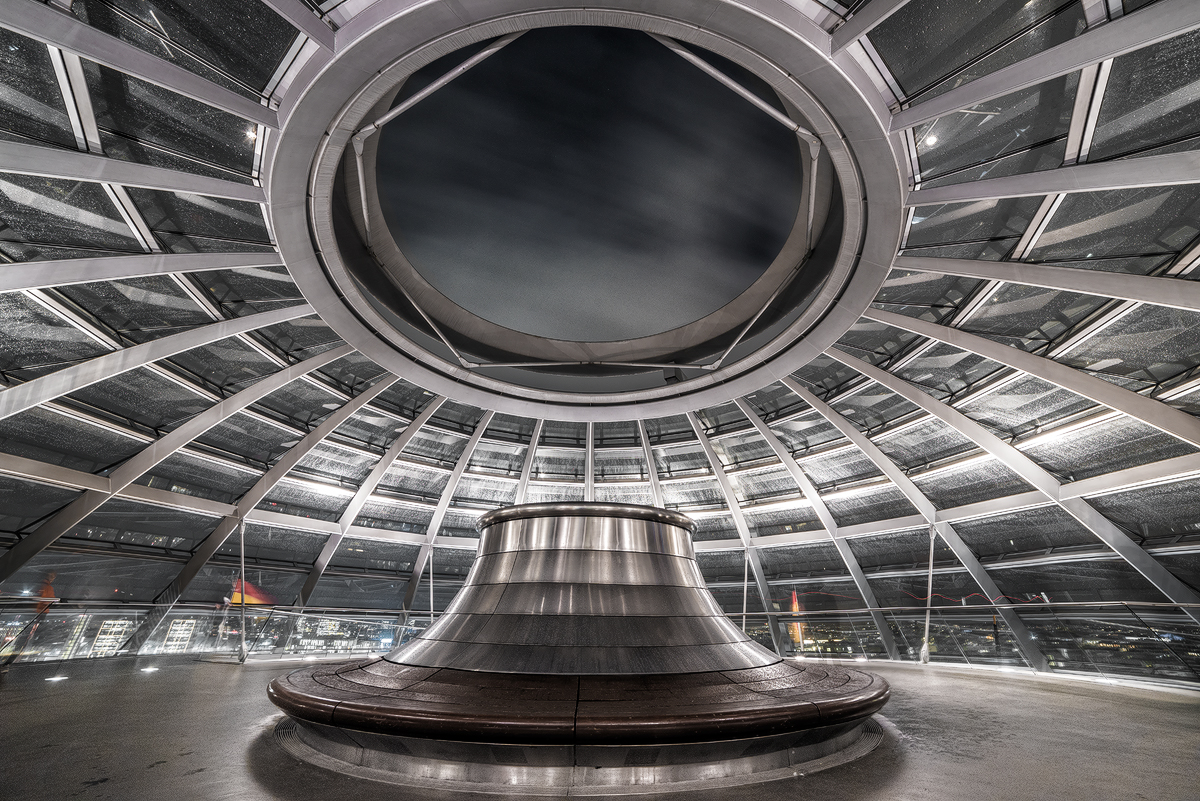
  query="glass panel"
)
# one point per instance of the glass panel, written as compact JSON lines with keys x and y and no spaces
{"x":926,"y":295}
{"x":1030,"y":317}
{"x":1161,"y":510}
{"x":715,"y":527}
{"x":1039,"y":529}
{"x":231,"y":42}
{"x":828,"y":470}
{"x":250,"y":289}
{"x":554,"y":493}
{"x":49,"y":436}
{"x":87,"y":577}
{"x":1049,"y":156}
{"x":625,"y":493}
{"x":23,"y":503}
{"x":307,"y":499}
{"x":1152,"y":96}
{"x":144,"y":397}
{"x":622,"y":434}
{"x":414,"y":482}
{"x":217,"y":584}
{"x":928,"y":40}
{"x":132,"y":523}
{"x":394,"y":516}
{"x":865,"y":506}
{"x":923,"y":443}
{"x":808,"y":431}
{"x":620,"y":464}
{"x":359,"y":593}
{"x":1152,"y":343}
{"x":374,"y":556}
{"x":901,"y":549}
{"x":1121,"y":222}
{"x":510,"y":429}
{"x":782,"y":521}
{"x":1024,"y":405}
{"x":944,"y":370}
{"x":764,"y":486}
{"x":704,"y":493}
{"x":1013,"y":123}
{"x":874,"y":407}
{"x":338,"y":463}
{"x":251,"y":438}
{"x":148,"y":124}
{"x":191,"y":474}
{"x":140,"y":309}
{"x":300,"y":404}
{"x":1099,"y":449}
{"x":681,"y":460}
{"x":742,"y":449}
{"x":978,"y":480}
{"x":482,"y":493}
{"x":35,"y":341}
{"x":798,"y":561}
{"x":277,"y":544}
{"x":1106,"y":580}
{"x":55,"y":211}
{"x":228,"y":365}
{"x":950,"y":588}
{"x":976,"y":220}
{"x":31,"y":104}
{"x":187,"y":223}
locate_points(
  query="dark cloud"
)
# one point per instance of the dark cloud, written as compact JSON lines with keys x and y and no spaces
{"x":588,"y":184}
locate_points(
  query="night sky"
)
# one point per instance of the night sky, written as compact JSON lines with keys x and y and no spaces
{"x":587,"y":184}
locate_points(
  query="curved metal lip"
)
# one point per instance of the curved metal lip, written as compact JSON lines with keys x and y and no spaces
{"x":627,"y":511}
{"x":866,"y":161}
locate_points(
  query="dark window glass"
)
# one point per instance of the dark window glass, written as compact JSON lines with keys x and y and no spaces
{"x":1152,"y":97}
{"x":1121,"y":222}
{"x":35,"y":341}
{"x":977,"y":220}
{"x":1027,"y":530}
{"x":145,"y":397}
{"x":932,"y":41}
{"x":140,"y":309}
{"x":31,"y":103}
{"x":87,"y":577}
{"x":132,"y":523}
{"x":23,"y":503}
{"x":199,"y":224}
{"x":54,"y":211}
{"x":234,"y":43}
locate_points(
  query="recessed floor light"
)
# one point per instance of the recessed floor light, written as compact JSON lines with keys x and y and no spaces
{"x":57,"y":678}
{"x":149,"y":669}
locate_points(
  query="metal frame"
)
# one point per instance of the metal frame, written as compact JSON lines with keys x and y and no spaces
{"x":1164,"y":20}
{"x":51,"y":162}
{"x":527,"y":464}
{"x":305,"y":20}
{"x":1035,"y":475}
{"x":1153,"y":412}
{"x":439,"y":513}
{"x":589,"y":464}
{"x":656,"y":492}
{"x":101,"y":368}
{"x":346,"y":521}
{"x":925,"y":507}
{"x":743,"y":529}
{"x":12,"y":560}
{"x":54,"y":27}
{"x":1171,"y":169}
{"x":827,"y":521}
{"x":1169,"y":292}
{"x":863,"y":21}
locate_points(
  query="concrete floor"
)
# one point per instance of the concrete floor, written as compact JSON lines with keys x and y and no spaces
{"x":198,"y":730}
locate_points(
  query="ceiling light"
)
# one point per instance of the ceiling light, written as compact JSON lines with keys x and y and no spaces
{"x":931,"y":140}
{"x":252,"y":134}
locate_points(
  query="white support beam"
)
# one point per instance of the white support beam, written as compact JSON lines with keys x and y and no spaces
{"x":1107,"y":531}
{"x":1163,"y":20}
{"x":743,"y":530}
{"x":527,"y":465}
{"x":965,"y":555}
{"x":58,"y":28}
{"x":368,"y":486}
{"x":439,"y":512}
{"x":651,"y":466}
{"x":1162,"y":416}
{"x":133,"y":468}
{"x":1170,"y":292}
{"x":304,"y":20}
{"x":589,"y":464}
{"x":51,"y":162}
{"x":46,"y":388}
{"x":863,"y":21}
{"x":45,"y":274}
{"x":1172,"y":169}
{"x":827,"y":521}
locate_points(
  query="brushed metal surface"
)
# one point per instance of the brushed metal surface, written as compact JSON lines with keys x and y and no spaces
{"x":584,"y":589}
{"x":610,"y":510}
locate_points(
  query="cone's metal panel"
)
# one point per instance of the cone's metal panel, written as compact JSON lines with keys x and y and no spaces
{"x":597,"y":589}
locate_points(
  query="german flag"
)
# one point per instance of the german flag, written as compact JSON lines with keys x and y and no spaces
{"x":253,"y":594}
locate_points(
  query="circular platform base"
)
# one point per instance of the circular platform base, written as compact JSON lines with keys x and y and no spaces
{"x":542,"y":770}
